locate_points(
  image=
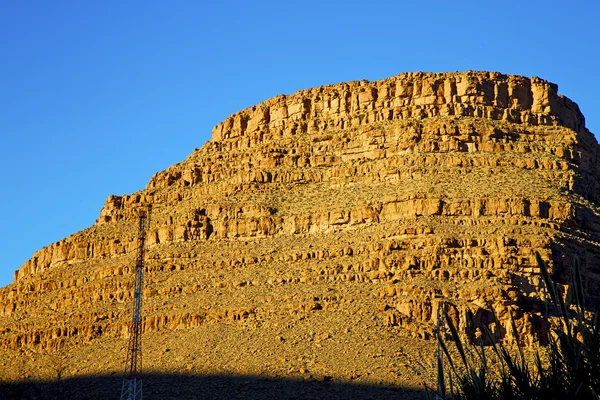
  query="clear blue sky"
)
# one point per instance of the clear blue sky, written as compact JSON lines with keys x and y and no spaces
{"x":97,"y":96}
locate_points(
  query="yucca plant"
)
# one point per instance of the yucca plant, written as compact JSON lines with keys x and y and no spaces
{"x":567,"y":368}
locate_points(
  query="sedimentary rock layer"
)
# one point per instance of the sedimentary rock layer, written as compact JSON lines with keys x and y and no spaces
{"x":345,"y":214}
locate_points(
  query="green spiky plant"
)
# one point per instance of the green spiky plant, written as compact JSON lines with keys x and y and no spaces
{"x":569,"y":370}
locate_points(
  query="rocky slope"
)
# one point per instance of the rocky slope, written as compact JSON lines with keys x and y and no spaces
{"x":317,"y":234}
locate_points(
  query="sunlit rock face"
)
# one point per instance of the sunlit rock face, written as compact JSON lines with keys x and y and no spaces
{"x":319,"y":233}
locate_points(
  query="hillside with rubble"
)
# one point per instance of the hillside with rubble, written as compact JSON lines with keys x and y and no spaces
{"x":316,"y":235}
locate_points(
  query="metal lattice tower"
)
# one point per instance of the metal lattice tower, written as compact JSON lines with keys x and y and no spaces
{"x":132,"y":382}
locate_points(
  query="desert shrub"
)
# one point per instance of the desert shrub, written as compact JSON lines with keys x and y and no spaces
{"x":567,"y":368}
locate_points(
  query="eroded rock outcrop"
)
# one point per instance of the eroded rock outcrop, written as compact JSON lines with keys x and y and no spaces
{"x":366,"y":205}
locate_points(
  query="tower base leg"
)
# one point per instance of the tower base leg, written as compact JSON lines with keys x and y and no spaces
{"x":131,"y":389}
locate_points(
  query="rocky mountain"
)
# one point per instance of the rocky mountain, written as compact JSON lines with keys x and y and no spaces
{"x":316,"y":236}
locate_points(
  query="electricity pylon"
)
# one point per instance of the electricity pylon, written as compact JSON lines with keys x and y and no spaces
{"x":131,"y":388}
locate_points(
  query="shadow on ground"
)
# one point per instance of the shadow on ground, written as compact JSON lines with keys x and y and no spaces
{"x":174,"y":386}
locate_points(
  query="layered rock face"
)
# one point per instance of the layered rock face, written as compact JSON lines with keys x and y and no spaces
{"x":320,"y":233}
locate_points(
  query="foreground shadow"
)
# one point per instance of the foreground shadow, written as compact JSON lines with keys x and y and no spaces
{"x":187,"y":386}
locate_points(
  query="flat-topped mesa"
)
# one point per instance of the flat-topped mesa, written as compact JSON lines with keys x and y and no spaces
{"x":262,"y":144}
{"x":489,"y":95}
{"x":365,"y":206}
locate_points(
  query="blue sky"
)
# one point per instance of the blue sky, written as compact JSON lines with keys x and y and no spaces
{"x":95,"y":97}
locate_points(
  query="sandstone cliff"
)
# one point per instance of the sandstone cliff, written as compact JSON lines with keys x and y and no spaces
{"x":334,"y":218}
